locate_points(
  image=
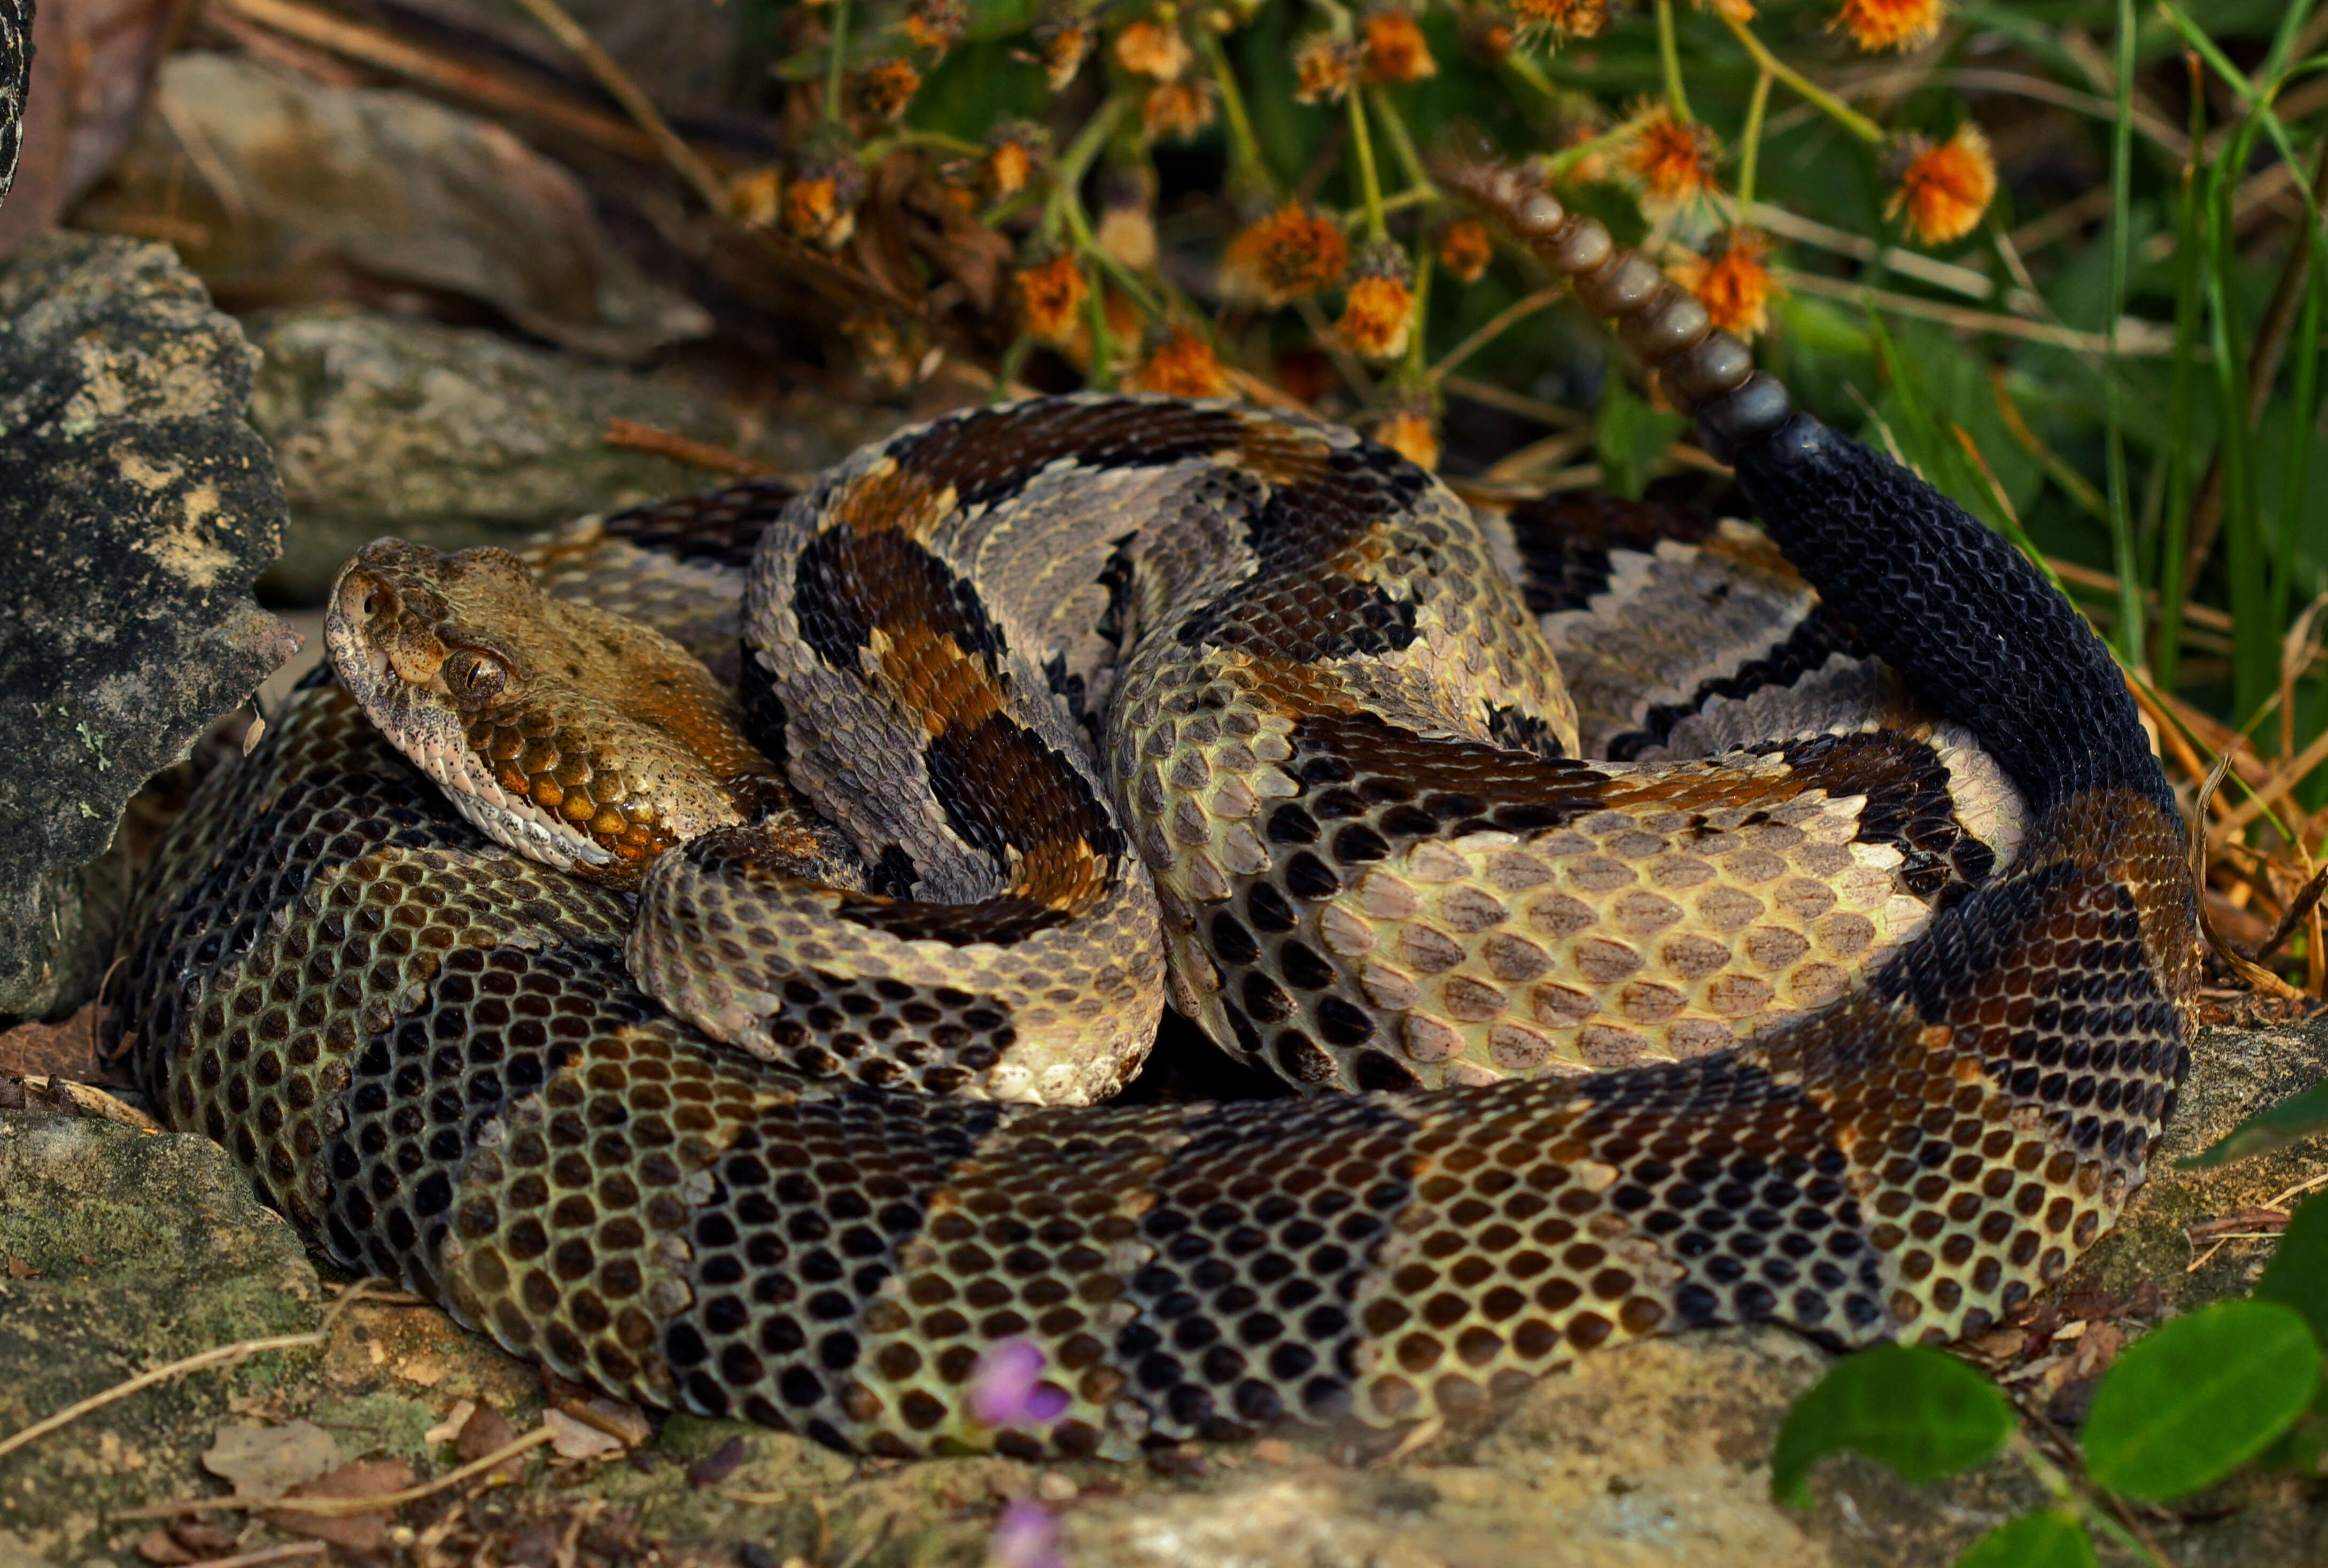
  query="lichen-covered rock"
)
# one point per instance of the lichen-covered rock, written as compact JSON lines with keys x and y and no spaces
{"x":16,"y":73}
{"x":126,"y":1249}
{"x":453,"y":437}
{"x":137,"y":507}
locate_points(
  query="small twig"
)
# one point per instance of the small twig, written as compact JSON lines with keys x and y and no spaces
{"x":2298,"y":907}
{"x":611,"y":76}
{"x":1495,"y":327}
{"x":217,"y":1356}
{"x":633,"y":437}
{"x":2137,"y":336}
{"x":288,"y":1549}
{"x":386,"y":51}
{"x":341,"y":1506}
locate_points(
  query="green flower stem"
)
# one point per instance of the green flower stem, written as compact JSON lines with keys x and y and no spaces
{"x":1063,"y":209}
{"x":1369,"y":184}
{"x":1414,"y":371}
{"x":1086,"y":245}
{"x":1749,"y":154}
{"x":1244,"y":148}
{"x":1529,"y":74}
{"x":1669,"y":56}
{"x":834,"y":68}
{"x":1402,"y":145}
{"x":1818,"y":96}
{"x":1560,"y":163}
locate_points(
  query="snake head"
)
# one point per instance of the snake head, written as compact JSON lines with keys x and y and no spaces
{"x":575,"y":737}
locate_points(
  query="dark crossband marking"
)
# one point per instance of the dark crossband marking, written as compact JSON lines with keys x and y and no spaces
{"x":1564,"y":541}
{"x":1814,"y":640}
{"x":987,"y":455}
{"x":719,"y":529}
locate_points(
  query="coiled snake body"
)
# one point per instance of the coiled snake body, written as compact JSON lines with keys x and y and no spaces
{"x":1102,"y":700}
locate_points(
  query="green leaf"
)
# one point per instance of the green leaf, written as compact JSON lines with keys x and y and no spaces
{"x":1923,"y":1413}
{"x":2298,"y":1274}
{"x":1632,"y":437}
{"x":2300,"y":1116}
{"x":2052,"y":1539}
{"x":2194,"y":1398}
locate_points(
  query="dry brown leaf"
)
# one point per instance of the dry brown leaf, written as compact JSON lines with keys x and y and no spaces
{"x":576,"y":1439}
{"x":64,"y":1049}
{"x":364,"y":1478}
{"x":265,"y":1461}
{"x":488,"y":1431}
{"x":18,"y":1268}
{"x":161,"y":1546}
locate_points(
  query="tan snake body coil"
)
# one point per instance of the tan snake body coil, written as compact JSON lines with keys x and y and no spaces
{"x":1102,"y":700}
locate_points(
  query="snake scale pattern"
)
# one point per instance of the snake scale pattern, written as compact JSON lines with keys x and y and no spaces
{"x":1839,"y":983}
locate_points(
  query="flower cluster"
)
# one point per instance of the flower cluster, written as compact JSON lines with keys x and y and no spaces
{"x":1328,"y":284}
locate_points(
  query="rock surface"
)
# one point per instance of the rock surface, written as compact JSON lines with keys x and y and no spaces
{"x":1653,"y":1454}
{"x":136,"y":508}
{"x":452,"y":436}
{"x":284,"y":188}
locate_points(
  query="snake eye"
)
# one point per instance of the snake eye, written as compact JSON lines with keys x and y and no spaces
{"x":474,"y":677}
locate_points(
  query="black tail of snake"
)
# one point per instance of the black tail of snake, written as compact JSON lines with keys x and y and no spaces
{"x":1050,"y":713}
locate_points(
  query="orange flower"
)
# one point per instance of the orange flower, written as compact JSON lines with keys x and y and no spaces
{"x":821,"y":208}
{"x":1464,"y":249}
{"x":1410,"y":434}
{"x":1150,"y":48}
{"x":1011,"y":149}
{"x":1288,"y":255}
{"x":1564,"y":18}
{"x":753,"y":197}
{"x":1732,"y":282}
{"x":1176,"y":109}
{"x":1729,"y":10}
{"x":1181,"y":364}
{"x":1395,"y":50}
{"x":1051,"y":298}
{"x":935,"y":24}
{"x":1890,"y":24}
{"x":1062,"y":45}
{"x":885,"y":89}
{"x":1672,"y":157}
{"x":1945,"y":189}
{"x":1378,"y":311}
{"x":1321,"y":69}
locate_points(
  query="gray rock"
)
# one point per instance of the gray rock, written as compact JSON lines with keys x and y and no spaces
{"x":285,"y":188}
{"x":135,"y":1249}
{"x":451,"y":437}
{"x":16,"y":74}
{"x":135,"y":509}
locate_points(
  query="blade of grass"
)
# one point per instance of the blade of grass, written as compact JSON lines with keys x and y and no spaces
{"x":2174,"y":577}
{"x":2121,"y":231}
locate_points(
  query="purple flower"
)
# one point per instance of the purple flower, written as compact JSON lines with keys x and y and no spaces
{"x":1007,"y":1388}
{"x":1026,"y":1536}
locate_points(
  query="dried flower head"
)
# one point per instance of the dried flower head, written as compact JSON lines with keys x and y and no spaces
{"x":937,"y":25}
{"x":1464,"y":249}
{"x":1890,"y":24}
{"x":1322,"y":69}
{"x":1378,"y":309}
{"x":1943,"y":189}
{"x":1733,"y":281}
{"x":1563,"y":19}
{"x":1126,"y":228}
{"x":1395,"y":50}
{"x":1288,"y":255}
{"x":1013,"y":149}
{"x":753,"y":197}
{"x":1183,"y":365}
{"x":1062,"y":44}
{"x":1151,"y":48}
{"x":885,"y":87}
{"x":1410,"y":433}
{"x":1051,"y":295}
{"x":820,"y":208}
{"x":1673,"y":158}
{"x":1177,"y":110}
{"x":1729,"y":10}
